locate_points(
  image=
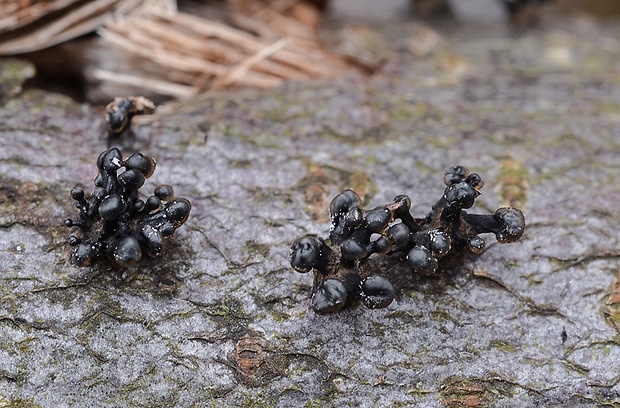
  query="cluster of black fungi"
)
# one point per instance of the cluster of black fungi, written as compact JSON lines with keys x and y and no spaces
{"x":341,"y":270}
{"x":118,"y":224}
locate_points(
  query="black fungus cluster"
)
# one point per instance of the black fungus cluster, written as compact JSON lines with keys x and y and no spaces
{"x":341,"y":270}
{"x":117,"y":223}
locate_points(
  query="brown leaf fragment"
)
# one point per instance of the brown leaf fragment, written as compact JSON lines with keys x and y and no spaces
{"x":249,"y":356}
{"x":465,"y":394}
{"x":611,"y":309}
{"x":614,"y":296}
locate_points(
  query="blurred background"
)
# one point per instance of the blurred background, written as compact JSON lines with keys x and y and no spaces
{"x":169,"y":49}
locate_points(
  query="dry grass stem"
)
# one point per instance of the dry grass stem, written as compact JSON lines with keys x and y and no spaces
{"x":163,"y":87}
{"x":252,"y":43}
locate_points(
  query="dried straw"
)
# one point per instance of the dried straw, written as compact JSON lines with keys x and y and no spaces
{"x":258,"y":43}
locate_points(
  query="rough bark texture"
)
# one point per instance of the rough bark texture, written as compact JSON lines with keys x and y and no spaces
{"x":222,"y":320}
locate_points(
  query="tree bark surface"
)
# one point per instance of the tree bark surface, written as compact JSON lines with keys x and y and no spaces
{"x":221,"y":319}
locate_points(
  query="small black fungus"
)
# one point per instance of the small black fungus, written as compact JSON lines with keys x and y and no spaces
{"x":116,"y":223}
{"x":377,"y":292}
{"x":119,"y":113}
{"x":329,"y":297}
{"x":341,"y":269}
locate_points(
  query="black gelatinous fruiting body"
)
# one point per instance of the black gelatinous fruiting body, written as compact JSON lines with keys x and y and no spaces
{"x":120,"y":111}
{"x":117,"y":223}
{"x":341,"y":270}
